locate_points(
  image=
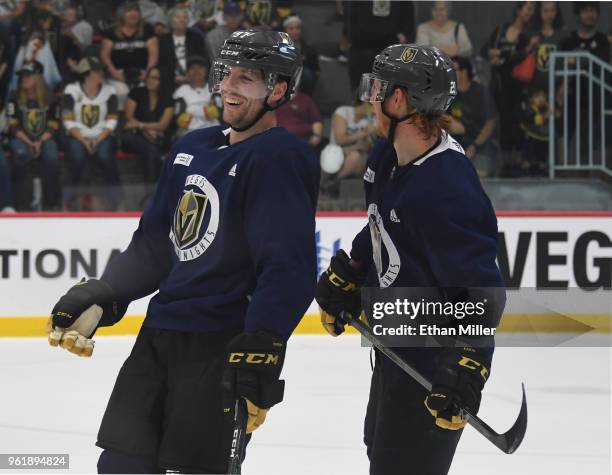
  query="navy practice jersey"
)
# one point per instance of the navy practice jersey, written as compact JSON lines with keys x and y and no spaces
{"x":229,"y":238}
{"x":430,"y":223}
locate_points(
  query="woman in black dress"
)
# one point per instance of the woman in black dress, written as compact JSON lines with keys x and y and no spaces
{"x":148,"y":113}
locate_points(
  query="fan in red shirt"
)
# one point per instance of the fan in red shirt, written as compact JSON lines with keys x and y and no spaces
{"x":301,"y":117}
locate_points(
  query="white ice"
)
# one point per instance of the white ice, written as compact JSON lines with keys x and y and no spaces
{"x":52,"y":402}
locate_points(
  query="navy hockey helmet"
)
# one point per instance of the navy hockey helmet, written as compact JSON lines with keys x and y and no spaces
{"x":272,"y":52}
{"x":425,"y":72}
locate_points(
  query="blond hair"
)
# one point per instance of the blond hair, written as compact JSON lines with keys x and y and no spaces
{"x":43,"y":94}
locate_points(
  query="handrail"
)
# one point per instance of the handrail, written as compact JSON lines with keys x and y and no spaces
{"x":573,"y":68}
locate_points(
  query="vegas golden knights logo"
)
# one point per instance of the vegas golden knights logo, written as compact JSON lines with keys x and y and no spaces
{"x":196,"y":218}
{"x":188,"y":218}
{"x":35,"y":122}
{"x":408,"y":54}
{"x":258,"y":12}
{"x":542,"y":56}
{"x":90,"y":114}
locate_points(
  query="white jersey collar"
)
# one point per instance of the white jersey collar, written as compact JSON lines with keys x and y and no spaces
{"x":447,"y":142}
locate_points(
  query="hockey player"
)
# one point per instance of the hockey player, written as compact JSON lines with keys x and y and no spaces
{"x":228,"y":243}
{"x":430,"y":226}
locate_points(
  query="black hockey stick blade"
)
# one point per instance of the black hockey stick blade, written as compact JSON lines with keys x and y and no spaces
{"x":238,"y":437}
{"x":507,"y":442}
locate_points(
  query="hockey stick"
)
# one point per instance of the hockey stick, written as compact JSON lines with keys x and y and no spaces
{"x":238,"y":437}
{"x":507,"y":442}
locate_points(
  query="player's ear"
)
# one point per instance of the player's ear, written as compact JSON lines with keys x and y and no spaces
{"x":280,"y":88}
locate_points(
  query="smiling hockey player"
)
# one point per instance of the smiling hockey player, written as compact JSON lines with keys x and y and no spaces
{"x":228,"y":243}
{"x":430,"y":226}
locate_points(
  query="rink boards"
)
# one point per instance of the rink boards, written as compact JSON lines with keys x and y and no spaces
{"x":42,"y":255}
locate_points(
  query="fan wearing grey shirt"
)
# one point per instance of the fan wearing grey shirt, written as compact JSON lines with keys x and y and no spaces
{"x":443,"y":33}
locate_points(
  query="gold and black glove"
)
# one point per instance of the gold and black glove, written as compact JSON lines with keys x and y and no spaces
{"x":253,"y":366}
{"x":458,"y":382}
{"x":339,"y":290}
{"x":76,"y":316}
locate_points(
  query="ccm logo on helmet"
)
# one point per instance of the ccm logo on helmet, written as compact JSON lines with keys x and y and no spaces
{"x":253,"y":358}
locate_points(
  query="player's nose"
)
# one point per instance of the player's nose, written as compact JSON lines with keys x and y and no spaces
{"x":228,"y":84}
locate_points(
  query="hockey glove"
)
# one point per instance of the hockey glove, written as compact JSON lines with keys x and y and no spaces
{"x":253,"y":366}
{"x":458,"y":381}
{"x":77,"y":315}
{"x":339,"y":291}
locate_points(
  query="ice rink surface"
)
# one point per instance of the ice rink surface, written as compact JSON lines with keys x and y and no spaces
{"x":52,"y":402}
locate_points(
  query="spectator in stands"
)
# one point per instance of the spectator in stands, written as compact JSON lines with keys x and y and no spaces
{"x":40,"y":19}
{"x":370,"y":26}
{"x":232,"y":18}
{"x":177,"y":46}
{"x":353,"y":129}
{"x":33,"y":123}
{"x":442,"y":32}
{"x":89,"y":110}
{"x":148,"y":114}
{"x":586,"y":38}
{"x":38,"y":49}
{"x":11,"y":12}
{"x":154,"y":15}
{"x":301,"y":117}
{"x":60,"y":6}
{"x":70,"y":52}
{"x":66,"y":50}
{"x":472,"y":119}
{"x":310,"y":60}
{"x":203,"y":15}
{"x":77,"y":28}
{"x":128,"y":50}
{"x":194,"y":106}
{"x":5,"y":68}
{"x":507,"y":46}
{"x":266,"y":14}
{"x":6,"y":189}
{"x":548,"y":26}
{"x":534,"y":123}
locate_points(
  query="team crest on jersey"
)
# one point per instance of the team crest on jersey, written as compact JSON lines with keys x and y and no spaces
{"x":188,"y":217}
{"x":196,"y":218}
{"x":408,"y":54}
{"x":90,"y":114}
{"x":35,"y":121}
{"x":386,"y":258}
{"x":543,"y":53}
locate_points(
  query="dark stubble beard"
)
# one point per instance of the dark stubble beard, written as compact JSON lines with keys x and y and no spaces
{"x":244,"y":118}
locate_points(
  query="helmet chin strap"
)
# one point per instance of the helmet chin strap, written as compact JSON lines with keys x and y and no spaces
{"x":394,"y":121}
{"x":265,"y":108}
